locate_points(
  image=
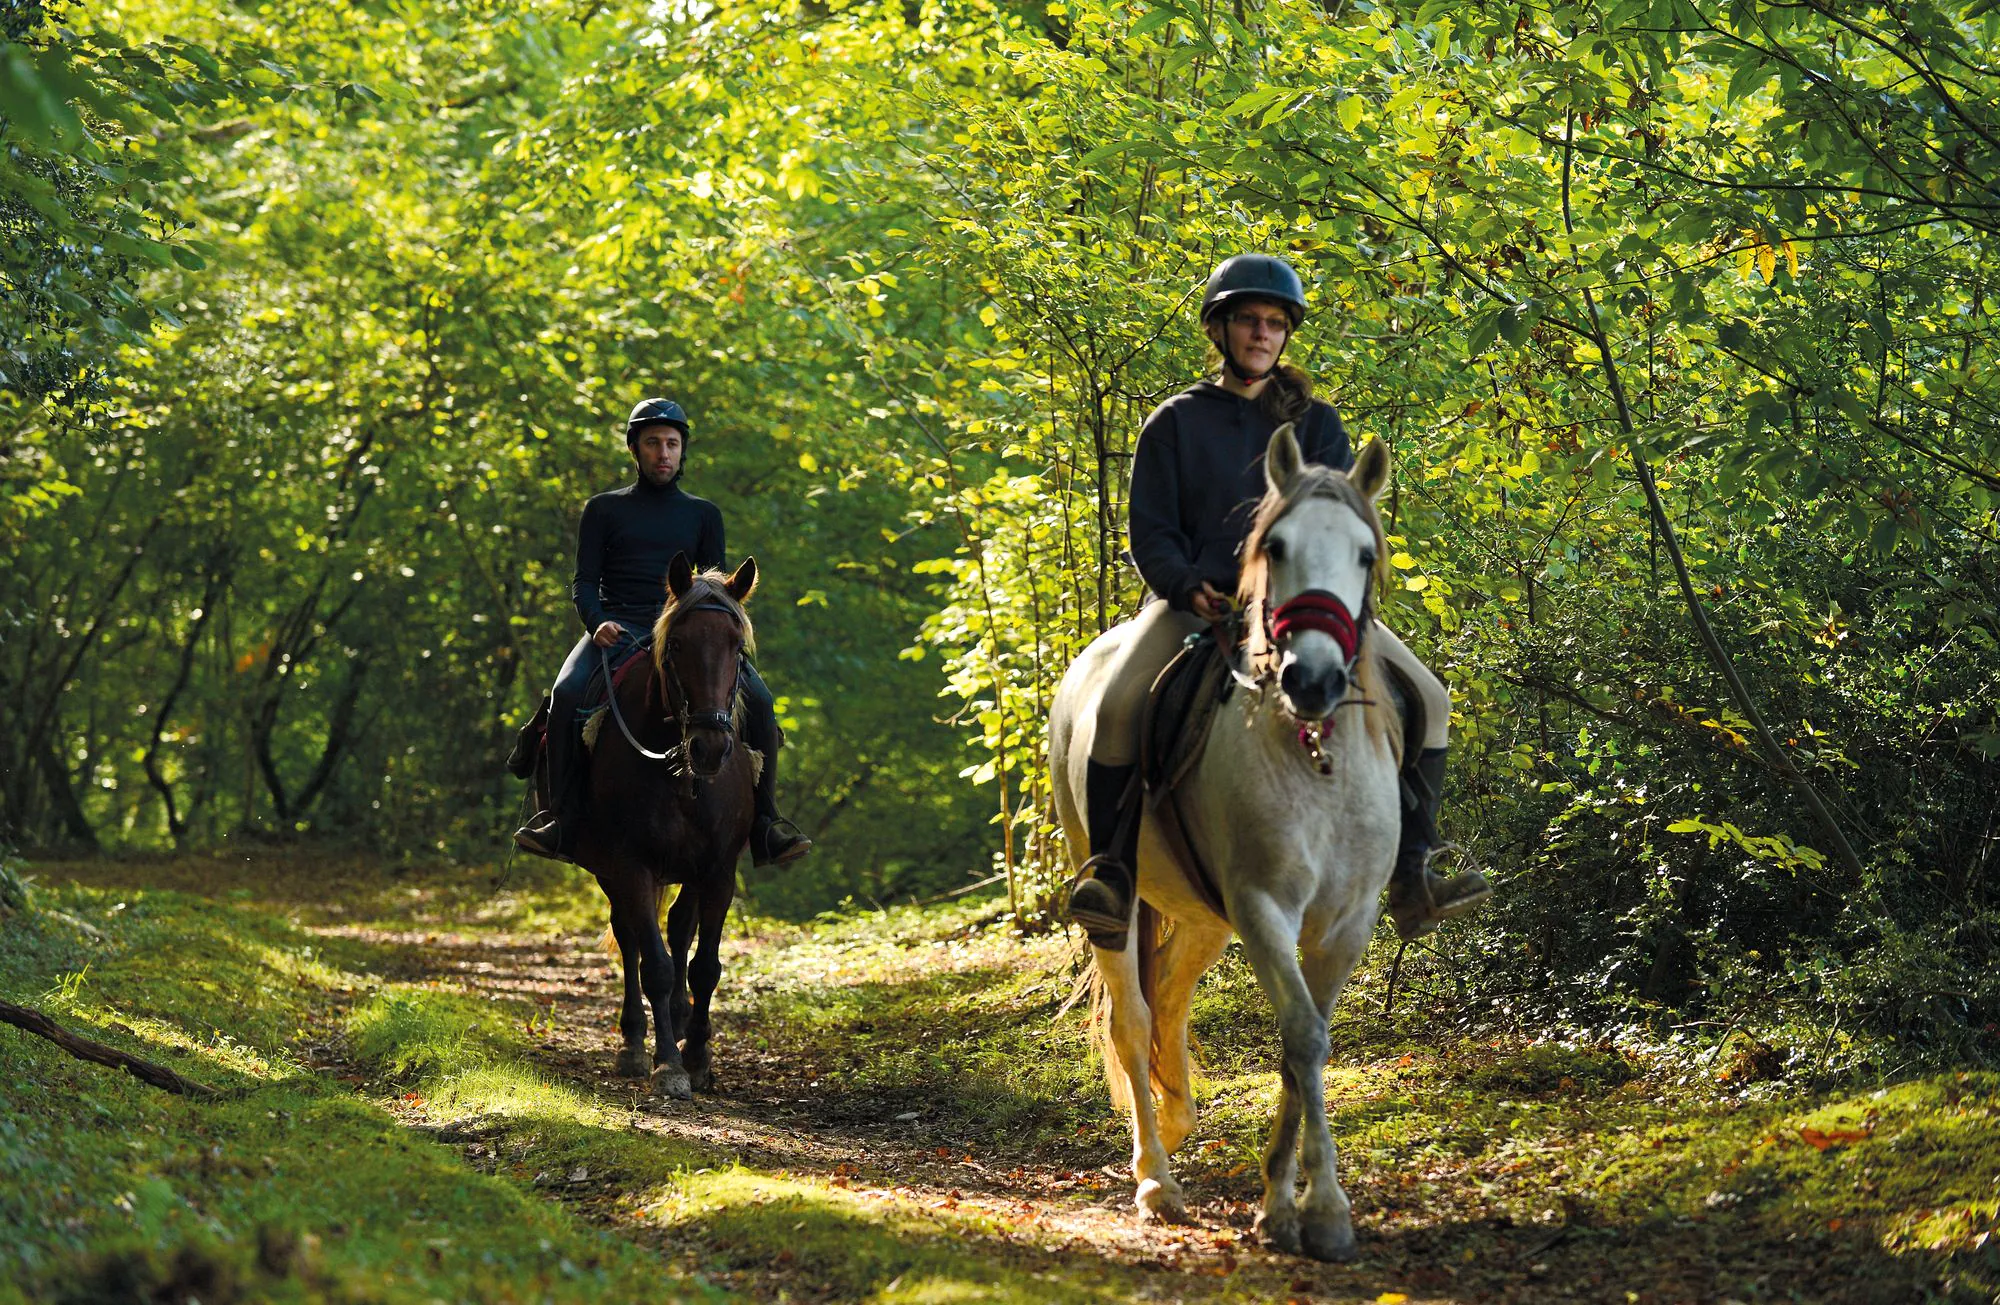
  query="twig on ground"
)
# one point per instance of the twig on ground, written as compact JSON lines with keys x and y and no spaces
{"x":962,"y":891}
{"x":159,"y":1076}
{"x":1395,"y":968}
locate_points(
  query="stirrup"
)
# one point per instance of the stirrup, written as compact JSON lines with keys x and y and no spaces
{"x":1437,"y":898}
{"x":543,"y":841}
{"x":1105,"y":925}
{"x":760,"y":843}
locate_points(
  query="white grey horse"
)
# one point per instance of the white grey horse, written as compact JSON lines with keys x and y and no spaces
{"x":1294,"y":808}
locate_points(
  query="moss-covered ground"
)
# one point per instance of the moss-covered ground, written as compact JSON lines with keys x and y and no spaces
{"x":418,"y":1104}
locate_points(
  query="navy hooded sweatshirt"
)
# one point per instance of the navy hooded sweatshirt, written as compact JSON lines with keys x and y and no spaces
{"x":1197,"y":476}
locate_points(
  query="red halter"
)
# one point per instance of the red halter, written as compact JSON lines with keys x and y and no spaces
{"x":1316,"y":609}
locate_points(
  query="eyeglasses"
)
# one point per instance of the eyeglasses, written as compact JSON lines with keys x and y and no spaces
{"x":1274,"y":323}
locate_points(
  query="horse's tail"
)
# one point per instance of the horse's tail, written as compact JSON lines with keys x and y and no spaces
{"x":609,"y":942}
{"x":1147,"y":933}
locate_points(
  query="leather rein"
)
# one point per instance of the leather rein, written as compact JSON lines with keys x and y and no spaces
{"x":676,"y":757}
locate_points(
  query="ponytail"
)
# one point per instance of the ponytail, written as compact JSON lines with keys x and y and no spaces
{"x":1287,"y":396}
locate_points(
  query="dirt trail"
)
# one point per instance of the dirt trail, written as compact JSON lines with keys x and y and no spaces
{"x":1068,"y":1213}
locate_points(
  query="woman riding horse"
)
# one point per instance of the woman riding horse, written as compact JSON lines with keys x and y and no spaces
{"x":1196,"y":477}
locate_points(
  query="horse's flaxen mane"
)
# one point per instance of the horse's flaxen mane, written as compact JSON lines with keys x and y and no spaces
{"x":709,"y":588}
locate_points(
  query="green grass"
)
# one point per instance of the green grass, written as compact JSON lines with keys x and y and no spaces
{"x":1484,"y":1163}
{"x":289,"y":1186}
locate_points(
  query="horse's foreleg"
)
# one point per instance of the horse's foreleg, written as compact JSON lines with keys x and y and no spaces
{"x":1184,"y":958}
{"x":656,"y":973}
{"x":680,"y":939}
{"x":633,"y":1062}
{"x":1327,"y":1227}
{"x":1158,"y":1195}
{"x":704,"y":972}
{"x":1270,"y":942}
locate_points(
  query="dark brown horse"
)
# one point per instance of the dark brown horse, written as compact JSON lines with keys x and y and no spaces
{"x":671,"y":799}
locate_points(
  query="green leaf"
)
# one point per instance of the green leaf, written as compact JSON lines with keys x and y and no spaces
{"x":1349,"y":111}
{"x":1480,"y":338}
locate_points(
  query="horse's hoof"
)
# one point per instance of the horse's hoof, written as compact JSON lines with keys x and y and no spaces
{"x":672,"y":1081}
{"x":1280,"y":1234}
{"x":1332,"y":1242}
{"x":633,"y":1062}
{"x":1160,"y":1202}
{"x":702,"y":1079}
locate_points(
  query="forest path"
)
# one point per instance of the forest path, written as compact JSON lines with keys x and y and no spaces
{"x":901,"y":1117}
{"x":863,"y":1064}
{"x":1060,"y":1209}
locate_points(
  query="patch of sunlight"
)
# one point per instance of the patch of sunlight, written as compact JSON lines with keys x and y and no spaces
{"x":300,"y":965}
{"x":950,"y":1291}
{"x":513,"y":1091}
{"x":220,"y":1049}
{"x":407,"y":1028}
{"x":1952,"y":1229}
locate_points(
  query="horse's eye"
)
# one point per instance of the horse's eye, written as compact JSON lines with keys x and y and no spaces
{"x":1367,"y":558}
{"x":1274,"y":549}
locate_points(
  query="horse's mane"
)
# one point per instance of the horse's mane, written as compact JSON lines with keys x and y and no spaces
{"x":709,"y":587}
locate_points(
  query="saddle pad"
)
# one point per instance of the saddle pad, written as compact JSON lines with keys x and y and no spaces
{"x":1180,"y":710}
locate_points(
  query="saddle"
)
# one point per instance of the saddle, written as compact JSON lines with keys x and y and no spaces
{"x":529,"y":741}
{"x":1173,"y":733}
{"x":590,"y":715}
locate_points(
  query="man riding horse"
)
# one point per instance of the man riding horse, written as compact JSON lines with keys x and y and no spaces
{"x":1197,"y":474}
{"x":624,"y":545}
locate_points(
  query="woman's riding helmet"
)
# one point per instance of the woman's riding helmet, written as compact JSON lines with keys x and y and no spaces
{"x":652,"y":412}
{"x":1255,"y":276}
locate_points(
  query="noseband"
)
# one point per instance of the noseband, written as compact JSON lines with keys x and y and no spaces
{"x":1320,"y":610}
{"x":1316,"y":609}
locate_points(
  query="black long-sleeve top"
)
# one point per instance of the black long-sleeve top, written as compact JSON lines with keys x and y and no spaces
{"x":1197,"y":474}
{"x":626,"y":541}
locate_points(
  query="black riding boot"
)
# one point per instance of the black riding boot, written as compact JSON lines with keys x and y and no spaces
{"x":774,"y":840}
{"x":1100,"y":899}
{"x":1420,"y":898}
{"x":553,"y":831}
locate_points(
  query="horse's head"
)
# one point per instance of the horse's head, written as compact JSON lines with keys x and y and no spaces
{"x":1308,"y":570}
{"x":696,"y":646}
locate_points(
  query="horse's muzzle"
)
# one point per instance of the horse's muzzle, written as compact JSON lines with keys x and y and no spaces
{"x":708,"y":751}
{"x":1312,"y":695}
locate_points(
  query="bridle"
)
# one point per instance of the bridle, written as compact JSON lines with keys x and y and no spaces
{"x":676,"y":758}
{"x":1325,"y":612}
{"x":1318,"y":609}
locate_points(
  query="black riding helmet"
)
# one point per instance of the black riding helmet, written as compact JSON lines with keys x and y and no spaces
{"x":652,"y":412}
{"x":1253,"y":276}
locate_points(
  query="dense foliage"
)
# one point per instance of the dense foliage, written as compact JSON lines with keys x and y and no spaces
{"x":1675,"y":315}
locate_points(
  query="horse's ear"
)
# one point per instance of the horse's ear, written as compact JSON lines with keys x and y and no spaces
{"x":1282,"y":458}
{"x":1371,"y":469}
{"x":680,"y":575}
{"x":743,"y":582}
